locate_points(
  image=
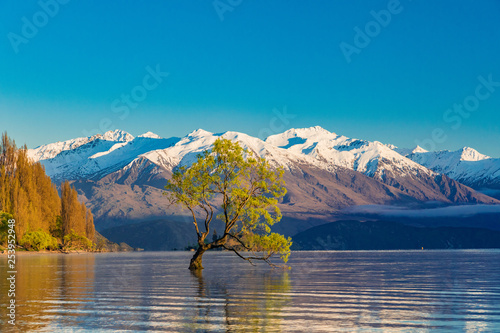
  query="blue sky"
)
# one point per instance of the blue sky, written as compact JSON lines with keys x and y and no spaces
{"x":69,"y":78}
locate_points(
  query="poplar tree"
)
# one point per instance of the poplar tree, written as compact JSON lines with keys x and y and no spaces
{"x":89,"y":225}
{"x":75,"y":216}
{"x":28,"y":194}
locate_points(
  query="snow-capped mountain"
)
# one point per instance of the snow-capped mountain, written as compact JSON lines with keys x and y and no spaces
{"x":407,"y":151}
{"x":373,"y":159}
{"x":446,"y":161}
{"x":465,"y":165}
{"x":51,"y":150}
{"x":117,"y":135}
{"x":95,"y":156}
{"x":122,"y":177}
{"x":150,"y":135}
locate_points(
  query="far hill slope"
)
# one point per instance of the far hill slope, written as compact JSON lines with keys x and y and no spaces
{"x":383,"y":235}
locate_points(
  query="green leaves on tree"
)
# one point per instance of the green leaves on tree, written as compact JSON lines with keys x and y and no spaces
{"x":239,"y":188}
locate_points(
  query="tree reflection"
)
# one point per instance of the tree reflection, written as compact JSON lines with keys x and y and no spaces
{"x":249,"y":302}
{"x":48,"y":287}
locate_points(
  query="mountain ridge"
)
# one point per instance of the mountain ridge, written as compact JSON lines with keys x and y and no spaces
{"x":465,"y":165}
{"x":122,"y":176}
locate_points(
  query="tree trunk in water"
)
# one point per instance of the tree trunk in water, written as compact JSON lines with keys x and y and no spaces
{"x":196,"y":260}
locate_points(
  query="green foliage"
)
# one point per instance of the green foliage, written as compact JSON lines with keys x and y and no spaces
{"x":243,"y":188}
{"x":270,"y":243}
{"x":56,"y":229}
{"x":38,"y":240}
{"x":4,"y":226}
{"x":73,"y":241}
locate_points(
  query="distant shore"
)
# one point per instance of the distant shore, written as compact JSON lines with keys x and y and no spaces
{"x":51,"y":252}
{"x":24,"y":252}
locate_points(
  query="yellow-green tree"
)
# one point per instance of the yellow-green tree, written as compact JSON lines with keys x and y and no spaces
{"x":244,"y":190}
{"x":89,"y":224}
{"x":29,"y":195}
{"x":26,"y":191}
{"x":77,"y":221}
{"x":73,"y":213}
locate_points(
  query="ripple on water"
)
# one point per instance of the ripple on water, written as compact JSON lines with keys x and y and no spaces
{"x":324,"y":292}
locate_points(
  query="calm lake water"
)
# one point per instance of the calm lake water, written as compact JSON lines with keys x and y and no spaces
{"x":324,"y":292}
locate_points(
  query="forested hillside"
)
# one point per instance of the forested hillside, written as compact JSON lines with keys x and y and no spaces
{"x":43,"y":219}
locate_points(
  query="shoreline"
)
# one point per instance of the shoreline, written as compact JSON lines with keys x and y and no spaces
{"x":5,"y":253}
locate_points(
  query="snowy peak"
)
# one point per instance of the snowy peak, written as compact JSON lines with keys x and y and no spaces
{"x":150,"y":135}
{"x":295,"y":135}
{"x":53,"y":149}
{"x":258,"y":146}
{"x":117,"y":135}
{"x":199,"y":133}
{"x":407,"y":151}
{"x":465,"y":165}
{"x":340,"y":151}
{"x":393,"y":147}
{"x":470,"y":154}
{"x":464,"y":154}
{"x":419,"y":149}
{"x":446,"y":158}
{"x":310,"y":131}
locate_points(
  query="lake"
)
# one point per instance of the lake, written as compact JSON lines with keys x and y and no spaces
{"x":345,"y":291}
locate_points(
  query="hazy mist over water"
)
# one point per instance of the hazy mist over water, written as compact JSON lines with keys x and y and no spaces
{"x":456,"y":290}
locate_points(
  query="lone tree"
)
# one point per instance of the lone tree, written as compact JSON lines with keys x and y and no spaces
{"x":244,"y":190}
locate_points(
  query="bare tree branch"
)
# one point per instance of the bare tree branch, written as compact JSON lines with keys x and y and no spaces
{"x":249,"y":259}
{"x":239,"y":255}
{"x":194,"y":222}
{"x":239,"y":241}
{"x":210,"y":215}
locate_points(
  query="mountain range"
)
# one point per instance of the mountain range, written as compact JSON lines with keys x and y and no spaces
{"x":466,"y":165}
{"x":121,"y":177}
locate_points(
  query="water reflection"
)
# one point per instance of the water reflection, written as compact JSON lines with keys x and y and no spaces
{"x":324,"y":292}
{"x":47,"y":287}
{"x":399,"y":290}
{"x":247,"y":302}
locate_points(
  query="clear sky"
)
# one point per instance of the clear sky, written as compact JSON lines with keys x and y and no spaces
{"x":66,"y":72}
